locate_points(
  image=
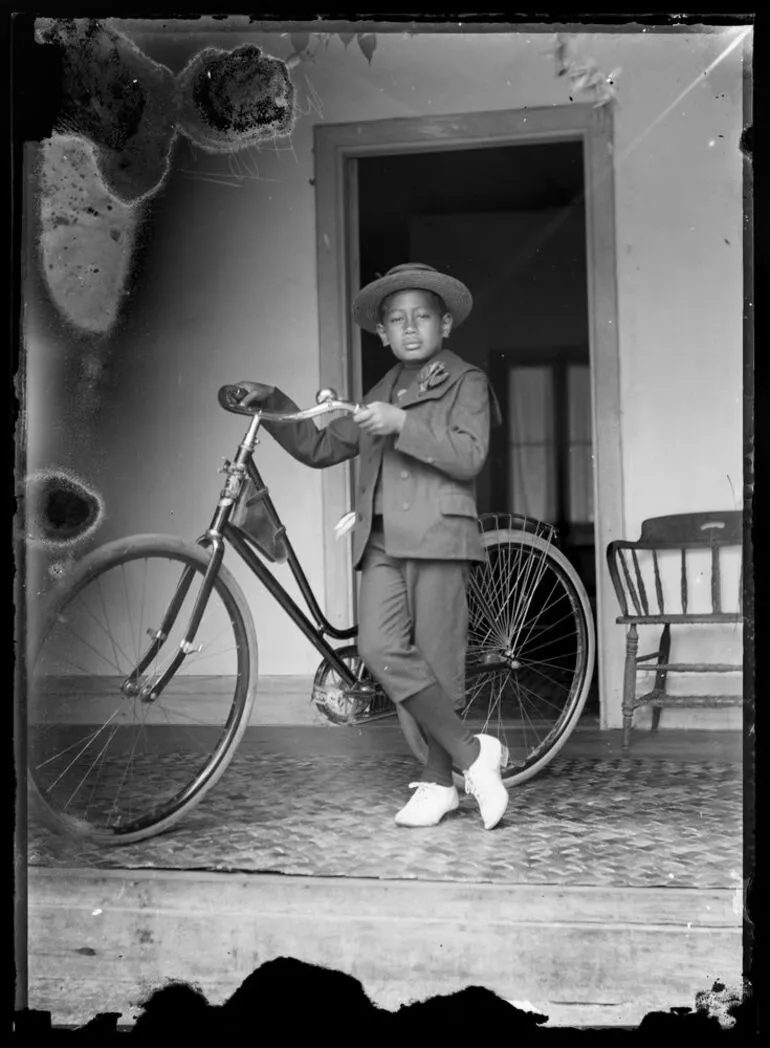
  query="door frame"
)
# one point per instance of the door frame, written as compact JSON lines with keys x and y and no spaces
{"x":335,"y":146}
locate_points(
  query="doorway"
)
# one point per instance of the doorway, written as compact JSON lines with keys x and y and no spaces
{"x":482,"y":195}
{"x":509,"y":221}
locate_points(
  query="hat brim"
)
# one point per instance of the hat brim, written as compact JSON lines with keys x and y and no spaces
{"x":366,"y":305}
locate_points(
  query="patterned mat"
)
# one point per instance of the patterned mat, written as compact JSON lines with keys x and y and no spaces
{"x":617,"y":822}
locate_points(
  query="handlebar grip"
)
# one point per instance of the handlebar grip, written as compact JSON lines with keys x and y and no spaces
{"x":230,"y":397}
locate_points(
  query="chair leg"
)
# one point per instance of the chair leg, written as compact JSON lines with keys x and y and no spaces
{"x":664,"y":652}
{"x":629,"y":684}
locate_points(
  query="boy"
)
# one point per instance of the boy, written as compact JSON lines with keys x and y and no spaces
{"x":423,"y":436}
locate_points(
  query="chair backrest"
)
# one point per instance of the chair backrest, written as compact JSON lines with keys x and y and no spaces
{"x":639,"y":587}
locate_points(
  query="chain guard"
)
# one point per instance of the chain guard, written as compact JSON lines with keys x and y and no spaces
{"x":342,"y":705}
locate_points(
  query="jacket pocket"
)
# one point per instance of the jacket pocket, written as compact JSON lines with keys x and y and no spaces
{"x":457,"y":504}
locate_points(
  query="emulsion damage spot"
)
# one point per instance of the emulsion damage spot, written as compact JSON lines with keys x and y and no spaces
{"x":118,"y":99}
{"x":59,"y":569}
{"x":86,"y":236}
{"x":231,"y":99}
{"x":60,"y":509}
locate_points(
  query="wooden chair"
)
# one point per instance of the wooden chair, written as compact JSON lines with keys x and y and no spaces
{"x":634,"y":565}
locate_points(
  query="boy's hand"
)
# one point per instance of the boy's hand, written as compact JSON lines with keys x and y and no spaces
{"x":255,"y":393}
{"x":379,"y":419}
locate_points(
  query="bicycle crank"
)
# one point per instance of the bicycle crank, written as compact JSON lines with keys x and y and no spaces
{"x":343,"y":705}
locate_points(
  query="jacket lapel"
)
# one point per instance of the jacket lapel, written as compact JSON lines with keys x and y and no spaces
{"x":455,"y":368}
{"x":384,"y":388}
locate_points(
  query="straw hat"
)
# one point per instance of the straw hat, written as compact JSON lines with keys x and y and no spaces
{"x":411,"y":275}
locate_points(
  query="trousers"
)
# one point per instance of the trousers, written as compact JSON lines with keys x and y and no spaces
{"x":413,"y":623}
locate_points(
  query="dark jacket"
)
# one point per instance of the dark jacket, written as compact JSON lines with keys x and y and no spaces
{"x":428,"y":470}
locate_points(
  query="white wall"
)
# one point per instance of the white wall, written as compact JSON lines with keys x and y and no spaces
{"x":232,"y":292}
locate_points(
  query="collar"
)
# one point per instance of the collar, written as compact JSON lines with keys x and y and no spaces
{"x":456,"y":367}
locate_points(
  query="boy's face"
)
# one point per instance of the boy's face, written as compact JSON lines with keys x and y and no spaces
{"x":412,"y":325}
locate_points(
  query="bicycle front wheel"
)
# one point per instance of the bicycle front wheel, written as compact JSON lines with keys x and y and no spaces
{"x":530,"y":654}
{"x":106,"y":759}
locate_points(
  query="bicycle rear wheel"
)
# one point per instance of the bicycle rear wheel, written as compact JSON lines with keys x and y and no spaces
{"x":530,"y":655}
{"x":105,"y":760}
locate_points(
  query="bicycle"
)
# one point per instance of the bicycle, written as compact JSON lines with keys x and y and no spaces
{"x":124,"y":740}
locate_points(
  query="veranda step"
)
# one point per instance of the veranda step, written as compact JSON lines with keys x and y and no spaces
{"x":100,"y":940}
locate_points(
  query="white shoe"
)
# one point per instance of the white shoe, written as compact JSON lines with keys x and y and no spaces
{"x":484,"y":781}
{"x":429,"y":804}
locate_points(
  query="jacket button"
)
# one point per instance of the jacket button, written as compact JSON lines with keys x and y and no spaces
{"x":430,"y":460}
{"x":360,"y":516}
{"x":404,"y":474}
{"x":406,"y":505}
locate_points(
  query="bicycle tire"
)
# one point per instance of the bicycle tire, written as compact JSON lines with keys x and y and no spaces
{"x":95,"y":567}
{"x":518,"y":772}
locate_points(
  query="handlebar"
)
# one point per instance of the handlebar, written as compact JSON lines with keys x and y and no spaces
{"x":332,"y":404}
{"x":326,"y":401}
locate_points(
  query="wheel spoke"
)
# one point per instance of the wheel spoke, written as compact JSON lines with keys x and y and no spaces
{"x":116,"y":647}
{"x":529,"y":624}
{"x":549,"y":678}
{"x":134,"y":627}
{"x":83,"y":749}
{"x":141,"y":621}
{"x":558,"y":639}
{"x":88,"y":771}
{"x":551,"y":625}
{"x":107,"y":622}
{"x":539,"y":698}
{"x":113,"y":664}
{"x":65,"y":750}
{"x":104,"y":763}
{"x":519,"y":689}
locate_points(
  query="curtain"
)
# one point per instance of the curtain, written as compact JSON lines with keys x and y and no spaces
{"x":532,"y":442}
{"x":532,"y":457}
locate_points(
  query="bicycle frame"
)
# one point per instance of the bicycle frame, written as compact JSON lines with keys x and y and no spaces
{"x":220,"y":532}
{"x":317,"y":633}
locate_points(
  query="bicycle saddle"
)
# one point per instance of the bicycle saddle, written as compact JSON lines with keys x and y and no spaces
{"x":230,"y":397}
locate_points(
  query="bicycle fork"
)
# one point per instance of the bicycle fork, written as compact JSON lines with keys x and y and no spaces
{"x":149,"y":693}
{"x":236,"y":475}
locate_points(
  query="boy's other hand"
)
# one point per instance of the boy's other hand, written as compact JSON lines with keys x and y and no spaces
{"x":379,"y":419}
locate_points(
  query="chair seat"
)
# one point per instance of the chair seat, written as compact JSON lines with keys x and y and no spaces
{"x":680,"y":620}
{"x":690,"y":667}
